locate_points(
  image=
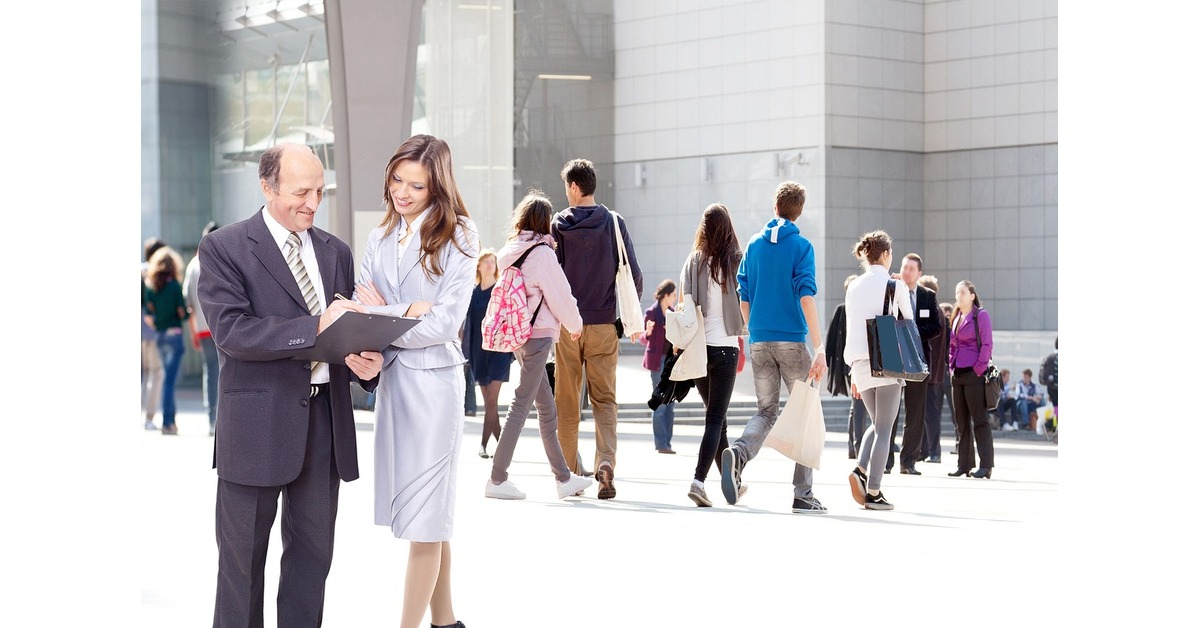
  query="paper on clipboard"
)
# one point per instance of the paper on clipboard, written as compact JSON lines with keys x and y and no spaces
{"x":355,"y":332}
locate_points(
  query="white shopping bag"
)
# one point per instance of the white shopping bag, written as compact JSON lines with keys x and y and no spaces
{"x":1043,"y":414}
{"x":799,"y":432}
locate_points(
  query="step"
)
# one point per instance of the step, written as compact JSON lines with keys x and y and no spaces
{"x":835,"y":409}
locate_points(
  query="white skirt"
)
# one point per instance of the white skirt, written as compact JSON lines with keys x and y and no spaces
{"x":860,"y":375}
{"x":418,"y":434}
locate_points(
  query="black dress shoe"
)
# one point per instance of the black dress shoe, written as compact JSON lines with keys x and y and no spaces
{"x":983,"y":472}
{"x":909,"y":471}
{"x":959,"y":472}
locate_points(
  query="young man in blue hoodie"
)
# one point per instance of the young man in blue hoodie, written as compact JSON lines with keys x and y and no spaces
{"x":585,"y":234}
{"x":777,"y":285}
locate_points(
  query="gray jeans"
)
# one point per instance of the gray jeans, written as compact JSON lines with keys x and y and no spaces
{"x":532,"y":389}
{"x":772,"y":361}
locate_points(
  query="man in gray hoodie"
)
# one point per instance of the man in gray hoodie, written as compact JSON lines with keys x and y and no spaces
{"x":587,"y":250}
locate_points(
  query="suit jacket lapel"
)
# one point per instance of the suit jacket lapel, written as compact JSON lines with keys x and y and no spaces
{"x":268,"y":253}
{"x":326,"y":261}
{"x":410,"y":259}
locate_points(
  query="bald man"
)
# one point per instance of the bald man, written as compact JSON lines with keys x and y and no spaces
{"x":285,"y":427}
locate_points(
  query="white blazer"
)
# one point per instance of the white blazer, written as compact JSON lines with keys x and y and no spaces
{"x":434,"y":343}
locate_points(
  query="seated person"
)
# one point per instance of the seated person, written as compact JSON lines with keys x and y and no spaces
{"x":1029,"y":399}
{"x":1008,"y":403}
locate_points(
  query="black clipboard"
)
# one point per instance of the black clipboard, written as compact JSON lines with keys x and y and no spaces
{"x":355,"y":332}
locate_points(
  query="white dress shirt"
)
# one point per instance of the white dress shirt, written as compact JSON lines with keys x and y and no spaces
{"x":320,"y":374}
{"x":415,"y":227}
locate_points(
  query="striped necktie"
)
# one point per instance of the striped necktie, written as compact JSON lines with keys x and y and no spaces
{"x":307,"y":289}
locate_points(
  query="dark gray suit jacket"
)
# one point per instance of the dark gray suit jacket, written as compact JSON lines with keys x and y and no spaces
{"x":259,"y":320}
{"x":929,"y":324}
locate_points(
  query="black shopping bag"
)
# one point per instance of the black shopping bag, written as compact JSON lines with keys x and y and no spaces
{"x":895,"y":344}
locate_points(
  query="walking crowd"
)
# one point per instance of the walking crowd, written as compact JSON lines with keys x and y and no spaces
{"x":554,"y":298}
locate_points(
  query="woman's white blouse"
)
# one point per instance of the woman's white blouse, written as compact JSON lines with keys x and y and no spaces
{"x":864,"y":301}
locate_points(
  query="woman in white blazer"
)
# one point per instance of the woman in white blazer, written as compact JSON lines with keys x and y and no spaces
{"x":420,"y":262}
{"x":881,"y":395}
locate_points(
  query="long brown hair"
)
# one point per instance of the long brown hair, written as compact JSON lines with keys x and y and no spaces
{"x":533,"y":213}
{"x":446,"y":209}
{"x":717,"y":245}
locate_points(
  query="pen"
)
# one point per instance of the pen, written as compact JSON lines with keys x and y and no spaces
{"x":338,"y":295}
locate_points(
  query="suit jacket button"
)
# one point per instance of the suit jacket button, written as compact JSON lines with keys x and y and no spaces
{"x":303,"y":403}
{"x":307,"y":366}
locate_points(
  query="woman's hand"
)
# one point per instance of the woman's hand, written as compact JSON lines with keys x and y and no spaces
{"x":854,"y":391}
{"x":417,"y":308}
{"x":366,"y":294}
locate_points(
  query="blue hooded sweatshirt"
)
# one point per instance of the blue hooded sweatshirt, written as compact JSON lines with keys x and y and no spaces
{"x":779,"y":267}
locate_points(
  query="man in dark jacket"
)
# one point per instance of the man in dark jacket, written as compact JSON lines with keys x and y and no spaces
{"x":929,"y":325}
{"x":936,"y":386}
{"x":585,"y":237}
{"x":284,"y":426}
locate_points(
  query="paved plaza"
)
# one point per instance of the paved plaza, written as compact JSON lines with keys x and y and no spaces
{"x":649,"y":557}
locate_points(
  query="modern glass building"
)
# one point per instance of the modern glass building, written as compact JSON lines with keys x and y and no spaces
{"x":935,"y":120}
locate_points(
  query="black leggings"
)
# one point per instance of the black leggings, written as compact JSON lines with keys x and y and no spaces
{"x":715,"y":389}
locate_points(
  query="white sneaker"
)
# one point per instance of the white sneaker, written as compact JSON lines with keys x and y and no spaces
{"x":574,"y":486}
{"x":1009,"y":427}
{"x":151,"y":426}
{"x":504,"y":490}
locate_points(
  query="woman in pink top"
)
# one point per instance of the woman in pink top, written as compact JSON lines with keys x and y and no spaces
{"x":549,"y":299}
{"x":970,"y":352}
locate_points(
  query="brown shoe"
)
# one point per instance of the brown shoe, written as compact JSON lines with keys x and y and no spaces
{"x":604,"y":476}
{"x":172,"y":430}
{"x":666,"y":451}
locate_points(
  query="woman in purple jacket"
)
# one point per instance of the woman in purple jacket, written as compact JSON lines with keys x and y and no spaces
{"x":655,"y":321}
{"x":970,"y":352}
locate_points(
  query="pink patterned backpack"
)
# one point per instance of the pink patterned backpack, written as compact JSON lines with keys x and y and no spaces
{"x":507,"y":324}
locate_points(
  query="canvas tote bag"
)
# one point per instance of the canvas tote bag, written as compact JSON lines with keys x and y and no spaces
{"x":685,"y":330}
{"x":799,"y":432}
{"x":629,"y":306}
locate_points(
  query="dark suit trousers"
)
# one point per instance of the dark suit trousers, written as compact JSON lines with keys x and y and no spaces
{"x":971,"y":418}
{"x":245,"y":515}
{"x":914,"y":423}
{"x":935,"y":395}
{"x":856,"y":425}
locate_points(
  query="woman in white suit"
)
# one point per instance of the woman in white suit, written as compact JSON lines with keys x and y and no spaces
{"x":420,"y":262}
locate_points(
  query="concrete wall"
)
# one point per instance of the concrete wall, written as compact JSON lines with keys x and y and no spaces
{"x":709,"y":98}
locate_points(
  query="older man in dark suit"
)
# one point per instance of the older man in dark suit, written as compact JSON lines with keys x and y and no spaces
{"x":929,"y":325}
{"x":285,"y":426}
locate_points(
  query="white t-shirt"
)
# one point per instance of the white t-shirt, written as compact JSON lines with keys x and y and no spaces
{"x":714,"y":321}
